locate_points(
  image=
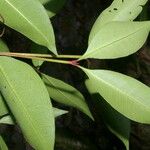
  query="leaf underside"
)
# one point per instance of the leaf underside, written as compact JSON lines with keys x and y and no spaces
{"x":125,"y":94}
{"x":66,"y":94}
{"x":3,"y":145}
{"x":28,"y":100}
{"x":119,"y":10}
{"x":29,"y":18}
{"x":118,"y":39}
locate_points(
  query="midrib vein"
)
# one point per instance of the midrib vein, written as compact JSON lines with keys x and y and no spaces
{"x":65,"y":95}
{"x":39,"y":137}
{"x":94,"y":51}
{"x":120,"y":91}
{"x":27,"y":20}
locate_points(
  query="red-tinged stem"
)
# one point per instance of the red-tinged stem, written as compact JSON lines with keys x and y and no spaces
{"x":74,"y":63}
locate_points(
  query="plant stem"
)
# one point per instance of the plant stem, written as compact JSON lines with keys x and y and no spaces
{"x":38,"y":55}
{"x":38,"y":58}
{"x":50,"y":60}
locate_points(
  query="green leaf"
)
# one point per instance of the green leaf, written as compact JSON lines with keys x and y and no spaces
{"x":66,"y":94}
{"x":116,"y":122}
{"x":7,"y":120}
{"x":52,"y":6}
{"x":3,"y":108}
{"x":118,"y":39}
{"x":3,"y":47}
{"x":29,"y":18}
{"x":3,"y":145}
{"x":119,"y":10}
{"x":28,"y":100}
{"x":125,"y":94}
{"x":59,"y":112}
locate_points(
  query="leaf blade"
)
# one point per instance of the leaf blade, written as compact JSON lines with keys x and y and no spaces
{"x":115,"y":88}
{"x":59,"y":112}
{"x":3,"y":46}
{"x":124,"y":38}
{"x":29,"y":105}
{"x":66,"y":94}
{"x":3,"y":145}
{"x":126,"y":10}
{"x":30,"y":19}
{"x":7,"y":120}
{"x":3,"y":108}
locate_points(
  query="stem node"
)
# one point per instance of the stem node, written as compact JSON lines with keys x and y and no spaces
{"x":74,"y":62}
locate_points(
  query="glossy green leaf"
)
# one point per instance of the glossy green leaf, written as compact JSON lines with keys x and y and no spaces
{"x":3,"y":145}
{"x":3,"y":108}
{"x":52,"y":6}
{"x":66,"y":94}
{"x":59,"y":112}
{"x":118,"y":39}
{"x":29,"y":18}
{"x":3,"y":47}
{"x":7,"y":120}
{"x":29,"y":102}
{"x":125,"y":94}
{"x":119,"y":10}
{"x":116,"y":122}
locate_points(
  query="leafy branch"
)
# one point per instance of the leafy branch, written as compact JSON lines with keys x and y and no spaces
{"x":43,"y":57}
